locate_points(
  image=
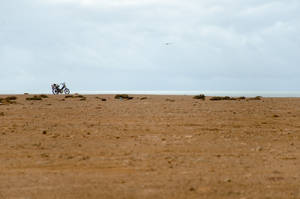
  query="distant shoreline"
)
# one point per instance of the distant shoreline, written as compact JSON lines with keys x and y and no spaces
{"x":288,"y":94}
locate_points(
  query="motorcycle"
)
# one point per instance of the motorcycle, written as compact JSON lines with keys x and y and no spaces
{"x":56,"y":89}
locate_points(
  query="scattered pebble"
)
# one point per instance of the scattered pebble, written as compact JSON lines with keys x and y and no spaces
{"x":192,"y":189}
{"x":170,"y":100}
{"x":85,"y":157}
{"x":102,"y":99}
{"x":34,"y":98}
{"x":227,"y":180}
{"x":258,"y":148}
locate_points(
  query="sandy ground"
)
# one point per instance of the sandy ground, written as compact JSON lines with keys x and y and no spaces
{"x":159,"y":147}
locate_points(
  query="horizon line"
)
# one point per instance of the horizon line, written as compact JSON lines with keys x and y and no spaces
{"x":180,"y":92}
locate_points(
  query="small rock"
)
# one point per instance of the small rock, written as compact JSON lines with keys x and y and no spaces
{"x":70,"y":157}
{"x":102,"y":99}
{"x":258,"y":148}
{"x":170,"y":100}
{"x":85,"y":157}
{"x":45,"y":155}
{"x":227,"y":180}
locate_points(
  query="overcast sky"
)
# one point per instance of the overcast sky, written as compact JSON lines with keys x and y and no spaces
{"x":96,"y":45}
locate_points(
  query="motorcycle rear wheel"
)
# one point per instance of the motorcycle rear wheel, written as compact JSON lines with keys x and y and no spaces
{"x":55,"y":91}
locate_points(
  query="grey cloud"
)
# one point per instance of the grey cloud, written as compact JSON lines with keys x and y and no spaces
{"x":216,"y":44}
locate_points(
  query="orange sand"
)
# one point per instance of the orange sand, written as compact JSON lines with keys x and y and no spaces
{"x":151,"y":148}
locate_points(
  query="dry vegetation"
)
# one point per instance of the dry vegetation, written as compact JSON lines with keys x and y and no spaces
{"x":201,"y":96}
{"x":123,"y":97}
{"x":217,"y":98}
{"x":159,"y":147}
{"x":8,"y":100}
{"x":35,"y":97}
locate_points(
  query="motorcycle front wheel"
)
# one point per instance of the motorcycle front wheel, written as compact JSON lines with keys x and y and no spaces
{"x":67,"y":91}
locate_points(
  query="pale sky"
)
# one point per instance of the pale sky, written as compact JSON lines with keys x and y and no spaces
{"x":96,"y":45}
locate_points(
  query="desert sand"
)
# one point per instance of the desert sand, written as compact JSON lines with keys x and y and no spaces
{"x":158,"y":147}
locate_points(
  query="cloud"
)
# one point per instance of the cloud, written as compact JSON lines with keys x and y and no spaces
{"x":106,"y":3}
{"x":111,"y":45}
